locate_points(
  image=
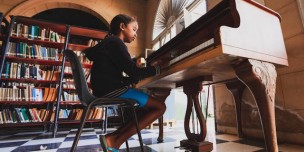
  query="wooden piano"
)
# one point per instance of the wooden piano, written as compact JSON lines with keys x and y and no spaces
{"x":236,"y":39}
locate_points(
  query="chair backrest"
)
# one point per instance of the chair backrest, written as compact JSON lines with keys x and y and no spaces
{"x":79,"y":79}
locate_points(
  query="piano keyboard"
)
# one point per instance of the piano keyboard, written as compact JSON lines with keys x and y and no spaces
{"x":192,"y":51}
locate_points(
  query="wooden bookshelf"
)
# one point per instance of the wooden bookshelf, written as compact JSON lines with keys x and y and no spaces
{"x":34,"y":111}
{"x":59,"y":41}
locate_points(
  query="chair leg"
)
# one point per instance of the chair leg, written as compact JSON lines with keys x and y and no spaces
{"x":105,"y":125}
{"x":82,"y":122}
{"x":138,"y":130}
{"x":124,"y":122}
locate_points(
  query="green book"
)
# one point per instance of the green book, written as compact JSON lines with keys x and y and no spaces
{"x":25,"y":116}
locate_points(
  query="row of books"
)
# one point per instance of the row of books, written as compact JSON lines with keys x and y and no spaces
{"x":68,"y":83}
{"x":28,"y":71}
{"x":20,"y":70}
{"x":82,"y":58}
{"x":23,"y":115}
{"x":87,"y":71}
{"x":112,"y":112}
{"x":75,"y":114}
{"x":23,"y":50}
{"x":36,"y":32}
{"x":28,"y":93}
{"x":27,"y":115}
{"x":70,"y":96}
{"x":92,"y":42}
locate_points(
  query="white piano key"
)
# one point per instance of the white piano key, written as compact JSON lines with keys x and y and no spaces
{"x":192,"y":51}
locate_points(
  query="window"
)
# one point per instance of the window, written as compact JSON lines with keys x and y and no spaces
{"x":169,"y":23}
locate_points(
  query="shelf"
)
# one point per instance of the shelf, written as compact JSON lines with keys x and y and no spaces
{"x":23,"y":80}
{"x":32,"y":61}
{"x":41,"y":62}
{"x":66,"y":121}
{"x":84,"y":65}
{"x":24,"y":124}
{"x":86,"y":32}
{"x":60,"y":28}
{"x":37,"y":42}
{"x":26,"y":102}
{"x":68,"y":89}
{"x":70,"y":103}
{"x":68,"y":75}
{"x":74,"y":89}
{"x":77,"y":47}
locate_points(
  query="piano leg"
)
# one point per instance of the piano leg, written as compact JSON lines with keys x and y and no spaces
{"x":195,"y":141}
{"x":160,"y":94}
{"x":260,"y":78}
{"x":236,"y":88}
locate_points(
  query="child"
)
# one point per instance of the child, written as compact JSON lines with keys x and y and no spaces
{"x":110,"y":60}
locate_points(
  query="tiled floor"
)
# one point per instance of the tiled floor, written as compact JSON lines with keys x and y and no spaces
{"x":38,"y":141}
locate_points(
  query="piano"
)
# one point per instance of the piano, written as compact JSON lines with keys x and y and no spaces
{"x":236,"y":40}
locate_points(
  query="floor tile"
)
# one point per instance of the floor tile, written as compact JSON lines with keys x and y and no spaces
{"x":227,"y":137}
{"x":86,"y":148}
{"x":251,"y":142}
{"x":234,"y":147}
{"x":151,"y":141}
{"x":12,"y":144}
{"x":37,"y":147}
{"x":44,"y":141}
{"x":291,"y":148}
{"x":7,"y":149}
{"x":84,"y":137}
{"x":89,"y":141}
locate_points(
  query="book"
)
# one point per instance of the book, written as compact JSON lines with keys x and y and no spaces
{"x":25,"y":115}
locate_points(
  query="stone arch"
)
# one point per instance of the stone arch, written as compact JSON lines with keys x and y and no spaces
{"x":33,"y":7}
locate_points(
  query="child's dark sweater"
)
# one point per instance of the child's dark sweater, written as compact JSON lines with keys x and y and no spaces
{"x":110,"y":59}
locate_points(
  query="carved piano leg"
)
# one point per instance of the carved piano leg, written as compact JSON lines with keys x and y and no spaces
{"x":236,"y":88}
{"x":260,"y":77}
{"x":160,"y":94}
{"x":195,"y":141}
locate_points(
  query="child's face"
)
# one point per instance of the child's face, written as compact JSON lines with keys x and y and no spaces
{"x":129,"y":32}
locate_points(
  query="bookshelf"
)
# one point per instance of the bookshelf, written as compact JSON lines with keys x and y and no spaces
{"x":36,"y":86}
{"x":29,"y":74}
{"x":3,"y":27}
{"x":1,"y":33}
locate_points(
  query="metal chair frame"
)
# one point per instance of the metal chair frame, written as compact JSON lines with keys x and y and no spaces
{"x":89,"y":101}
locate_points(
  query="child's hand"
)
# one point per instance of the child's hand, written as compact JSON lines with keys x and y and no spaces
{"x":141,"y":62}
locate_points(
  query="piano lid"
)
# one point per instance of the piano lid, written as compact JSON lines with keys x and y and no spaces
{"x":203,"y":29}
